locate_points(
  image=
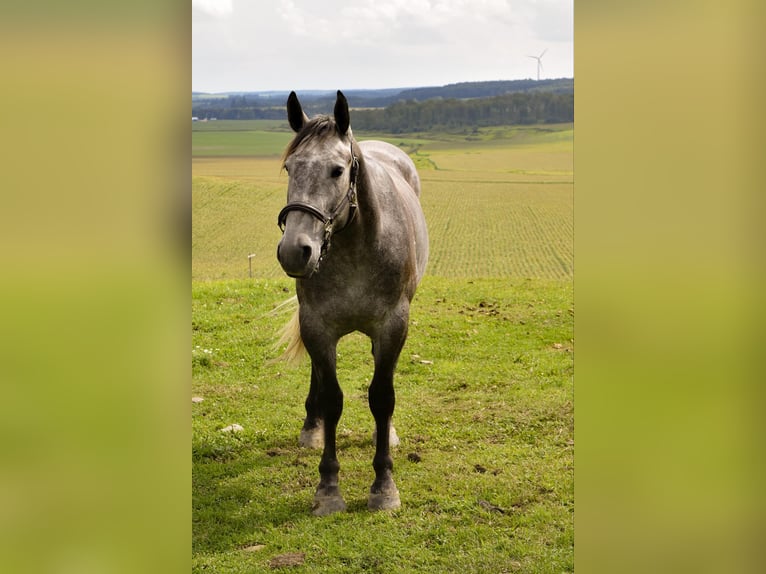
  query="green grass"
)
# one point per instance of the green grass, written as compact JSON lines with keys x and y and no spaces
{"x":240,"y":126}
{"x":484,"y":397}
{"x":484,"y":384}
{"x":240,"y":138}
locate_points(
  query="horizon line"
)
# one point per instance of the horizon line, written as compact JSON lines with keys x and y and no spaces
{"x":332,"y":90}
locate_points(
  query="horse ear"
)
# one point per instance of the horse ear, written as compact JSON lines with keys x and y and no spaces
{"x":342,"y":119}
{"x":295,"y":114}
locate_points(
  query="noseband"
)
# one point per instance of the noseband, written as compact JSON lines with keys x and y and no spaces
{"x":328,"y":221}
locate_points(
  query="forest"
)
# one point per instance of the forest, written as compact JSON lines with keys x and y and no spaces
{"x":438,"y":114}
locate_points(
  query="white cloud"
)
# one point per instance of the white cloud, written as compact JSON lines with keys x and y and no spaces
{"x":553,"y":20}
{"x":328,"y":44}
{"x":400,"y":21}
{"x":214,"y":7}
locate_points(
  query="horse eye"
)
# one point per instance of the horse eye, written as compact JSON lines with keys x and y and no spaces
{"x":337,"y":171}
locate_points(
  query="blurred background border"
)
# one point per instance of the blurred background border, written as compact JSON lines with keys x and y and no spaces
{"x":95,"y":287}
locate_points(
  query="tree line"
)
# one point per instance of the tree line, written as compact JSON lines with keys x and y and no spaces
{"x":488,"y":89}
{"x":238,"y":107}
{"x":439,"y":114}
{"x":414,"y":116}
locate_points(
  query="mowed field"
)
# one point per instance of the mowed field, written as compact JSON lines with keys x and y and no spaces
{"x":485,"y":407}
{"x":499,"y":202}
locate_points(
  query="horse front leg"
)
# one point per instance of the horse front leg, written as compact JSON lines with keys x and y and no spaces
{"x":327,"y":498}
{"x":312,"y":433}
{"x":382,"y":398}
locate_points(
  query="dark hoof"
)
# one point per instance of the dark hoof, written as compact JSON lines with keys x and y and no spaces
{"x":312,"y":438}
{"x":327,"y":502}
{"x":385,"y":499}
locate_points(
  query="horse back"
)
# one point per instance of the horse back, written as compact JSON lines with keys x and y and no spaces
{"x":405,"y":183}
{"x":392,"y":158}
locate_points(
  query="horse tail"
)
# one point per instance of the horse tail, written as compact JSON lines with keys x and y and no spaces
{"x":290,"y":335}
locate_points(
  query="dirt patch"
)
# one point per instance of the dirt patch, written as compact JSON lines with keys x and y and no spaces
{"x":287,"y":560}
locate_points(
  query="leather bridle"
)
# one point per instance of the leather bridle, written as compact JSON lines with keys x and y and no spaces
{"x":328,"y":220}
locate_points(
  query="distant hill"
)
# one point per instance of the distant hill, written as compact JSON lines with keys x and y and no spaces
{"x":271,"y":104}
{"x":465,"y":90}
{"x":385,"y":97}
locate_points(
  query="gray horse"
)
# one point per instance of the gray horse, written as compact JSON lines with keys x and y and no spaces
{"x":355,"y":240}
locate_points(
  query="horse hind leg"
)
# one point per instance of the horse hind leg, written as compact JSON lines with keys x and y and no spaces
{"x":393,"y":438}
{"x":312,"y":436}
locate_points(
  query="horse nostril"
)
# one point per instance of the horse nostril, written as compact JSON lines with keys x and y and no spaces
{"x":306,"y":253}
{"x":296,"y":254}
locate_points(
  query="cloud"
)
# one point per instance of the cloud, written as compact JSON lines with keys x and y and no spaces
{"x":398,"y":21}
{"x":553,"y":20}
{"x":325,"y":44}
{"x":216,"y":8}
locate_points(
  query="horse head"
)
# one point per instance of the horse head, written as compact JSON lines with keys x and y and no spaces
{"x":321,"y":193}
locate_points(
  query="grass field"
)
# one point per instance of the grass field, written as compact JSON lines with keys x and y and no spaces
{"x":240,"y":138}
{"x":498,"y":202}
{"x":484,"y":405}
{"x":484,"y":384}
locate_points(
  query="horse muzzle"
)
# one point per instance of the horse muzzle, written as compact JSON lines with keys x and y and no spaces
{"x":299,"y":255}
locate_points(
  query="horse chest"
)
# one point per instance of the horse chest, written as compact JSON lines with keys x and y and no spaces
{"x":352,"y":304}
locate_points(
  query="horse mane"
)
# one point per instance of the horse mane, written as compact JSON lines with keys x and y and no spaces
{"x":319,"y":127}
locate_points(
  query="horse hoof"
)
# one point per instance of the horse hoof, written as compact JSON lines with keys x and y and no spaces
{"x":326,"y":504}
{"x":387,"y":499}
{"x":393,"y":438}
{"x":312,"y":438}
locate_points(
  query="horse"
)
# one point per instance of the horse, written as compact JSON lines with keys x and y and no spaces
{"x":354,"y":238}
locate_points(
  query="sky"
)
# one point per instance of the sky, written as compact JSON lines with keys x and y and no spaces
{"x":260,"y":45}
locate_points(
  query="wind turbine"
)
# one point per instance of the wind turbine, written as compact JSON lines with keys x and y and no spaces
{"x":539,"y":62}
